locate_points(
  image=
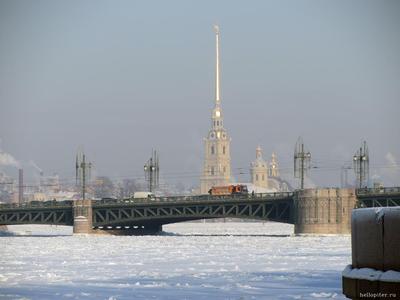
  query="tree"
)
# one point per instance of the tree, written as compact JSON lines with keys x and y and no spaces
{"x":103,"y":187}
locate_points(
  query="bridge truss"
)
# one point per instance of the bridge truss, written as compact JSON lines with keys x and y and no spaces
{"x":378,"y":197}
{"x":37,"y":215}
{"x":128,"y":214}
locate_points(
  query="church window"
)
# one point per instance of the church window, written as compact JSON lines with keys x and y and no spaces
{"x":223,"y":150}
{"x":212,"y":149}
{"x":256,"y":177}
{"x":212,"y":170}
{"x":263,"y":178}
{"x":224,"y":170}
{"x":217,"y":123}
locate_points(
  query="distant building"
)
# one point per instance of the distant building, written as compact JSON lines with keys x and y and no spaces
{"x":259,"y":170}
{"x":49,"y":184}
{"x":58,"y":196}
{"x":103,"y":187}
{"x":217,"y":159}
{"x":7,"y":188}
{"x":265,"y":176}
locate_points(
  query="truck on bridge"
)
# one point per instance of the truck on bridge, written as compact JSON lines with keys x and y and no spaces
{"x":238,"y":189}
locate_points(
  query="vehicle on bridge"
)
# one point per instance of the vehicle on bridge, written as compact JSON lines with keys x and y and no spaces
{"x":142,"y":195}
{"x":238,"y":189}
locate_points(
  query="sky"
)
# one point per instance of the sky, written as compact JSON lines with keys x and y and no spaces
{"x":121,"y":78}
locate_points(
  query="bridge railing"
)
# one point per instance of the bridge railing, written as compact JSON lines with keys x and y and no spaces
{"x":177,"y":199}
{"x":36,"y":204}
{"x":377,"y":191}
{"x":171,"y":199}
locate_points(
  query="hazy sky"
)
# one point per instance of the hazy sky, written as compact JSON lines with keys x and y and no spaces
{"x":123,"y":77}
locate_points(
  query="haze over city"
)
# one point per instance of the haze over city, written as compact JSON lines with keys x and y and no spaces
{"x":124,"y":78}
{"x":199,"y":150}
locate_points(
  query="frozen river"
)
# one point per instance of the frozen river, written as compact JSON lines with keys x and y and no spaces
{"x":189,"y":261}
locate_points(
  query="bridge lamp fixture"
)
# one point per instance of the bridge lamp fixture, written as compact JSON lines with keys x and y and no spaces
{"x":355,"y":158}
{"x":152,"y":168}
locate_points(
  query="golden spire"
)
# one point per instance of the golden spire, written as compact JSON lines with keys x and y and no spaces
{"x":217,"y":94}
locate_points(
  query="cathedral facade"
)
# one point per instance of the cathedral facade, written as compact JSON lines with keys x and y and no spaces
{"x":265,"y":177}
{"x":217,"y":158}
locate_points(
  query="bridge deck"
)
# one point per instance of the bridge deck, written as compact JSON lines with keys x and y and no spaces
{"x":127,"y":213}
{"x":195,"y":199}
{"x":161,"y":210}
{"x":378,"y":197}
{"x":271,"y":206}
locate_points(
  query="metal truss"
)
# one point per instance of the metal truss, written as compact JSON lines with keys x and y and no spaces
{"x":164,"y":213}
{"x":378,"y":202}
{"x":378,"y":197}
{"x":39,"y":216}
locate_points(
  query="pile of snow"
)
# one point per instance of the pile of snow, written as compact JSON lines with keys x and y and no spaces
{"x":371,"y":274}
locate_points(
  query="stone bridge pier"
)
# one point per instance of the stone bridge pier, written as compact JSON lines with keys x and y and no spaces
{"x":324,"y":211}
{"x":83,"y":223}
{"x":83,"y":217}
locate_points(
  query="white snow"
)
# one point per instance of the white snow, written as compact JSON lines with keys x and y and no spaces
{"x":189,"y":261}
{"x":391,"y":276}
{"x":371,"y":274}
{"x":362,"y":273}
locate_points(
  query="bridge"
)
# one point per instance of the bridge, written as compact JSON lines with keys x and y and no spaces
{"x":378,"y":197}
{"x":141,"y":216}
{"x":150,"y":214}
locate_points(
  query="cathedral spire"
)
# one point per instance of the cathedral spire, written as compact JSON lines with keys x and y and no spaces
{"x":217,"y":95}
{"x":217,"y":158}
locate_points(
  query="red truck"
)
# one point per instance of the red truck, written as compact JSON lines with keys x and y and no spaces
{"x":238,"y":189}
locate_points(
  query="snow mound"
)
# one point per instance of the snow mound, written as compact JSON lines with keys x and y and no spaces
{"x":371,"y":274}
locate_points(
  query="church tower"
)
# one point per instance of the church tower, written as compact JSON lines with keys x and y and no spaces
{"x":217,"y":158}
{"x":258,"y":170}
{"x":273,"y":170}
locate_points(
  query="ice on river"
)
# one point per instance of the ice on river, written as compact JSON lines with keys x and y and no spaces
{"x":190,"y":261}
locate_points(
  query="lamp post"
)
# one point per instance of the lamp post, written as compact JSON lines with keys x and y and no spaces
{"x":301,"y":161}
{"x":361,"y":165}
{"x":151,"y":171}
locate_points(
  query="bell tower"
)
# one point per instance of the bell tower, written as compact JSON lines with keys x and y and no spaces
{"x":273,"y":170}
{"x":258,"y":170}
{"x":217,"y":159}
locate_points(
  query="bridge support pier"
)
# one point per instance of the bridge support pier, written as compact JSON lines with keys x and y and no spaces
{"x":323,"y":211}
{"x":83,"y":217}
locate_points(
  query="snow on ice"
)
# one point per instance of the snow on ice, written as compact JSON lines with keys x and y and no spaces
{"x":189,"y":261}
